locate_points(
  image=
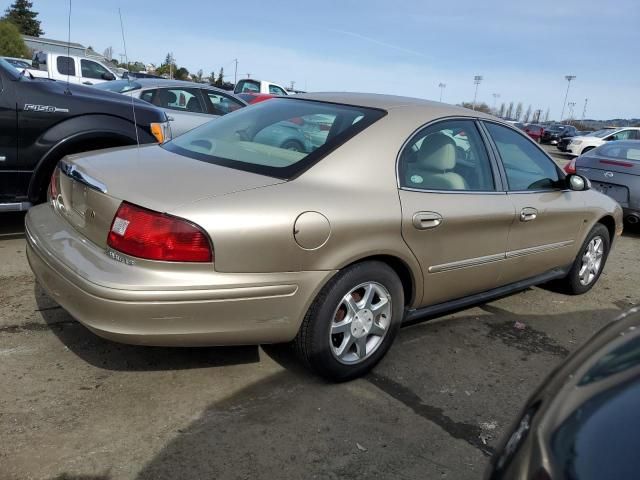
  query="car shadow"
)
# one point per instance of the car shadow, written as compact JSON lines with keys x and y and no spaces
{"x":292,"y":424}
{"x":110,"y":355}
{"x":632,"y":231}
{"x":12,"y":225}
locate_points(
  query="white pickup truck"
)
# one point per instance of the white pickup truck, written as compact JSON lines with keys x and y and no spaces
{"x":82,"y":70}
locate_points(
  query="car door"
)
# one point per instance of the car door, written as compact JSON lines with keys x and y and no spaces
{"x":184,"y":106}
{"x":93,"y":72}
{"x":9,"y":187}
{"x":455,"y":214}
{"x":548,"y":214}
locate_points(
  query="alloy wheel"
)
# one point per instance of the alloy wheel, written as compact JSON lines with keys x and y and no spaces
{"x":591,"y":261}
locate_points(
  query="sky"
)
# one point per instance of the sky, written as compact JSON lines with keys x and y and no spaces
{"x":522,"y":49}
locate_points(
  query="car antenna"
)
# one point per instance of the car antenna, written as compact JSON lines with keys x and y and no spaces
{"x":126,"y":59}
{"x":67,"y":91}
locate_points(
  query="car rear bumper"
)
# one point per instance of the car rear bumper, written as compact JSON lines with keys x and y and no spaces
{"x":233,"y":309}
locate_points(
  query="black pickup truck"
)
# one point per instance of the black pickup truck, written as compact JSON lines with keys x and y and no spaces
{"x":41,"y":121}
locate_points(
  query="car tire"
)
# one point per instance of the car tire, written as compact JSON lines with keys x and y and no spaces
{"x":578,"y":281}
{"x":294,"y":145}
{"x":586,"y":150}
{"x":332,"y":345}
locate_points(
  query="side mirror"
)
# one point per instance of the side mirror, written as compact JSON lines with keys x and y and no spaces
{"x":578,"y":183}
{"x":108,"y":76}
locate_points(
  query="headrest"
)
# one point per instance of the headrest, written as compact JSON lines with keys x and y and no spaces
{"x":437,"y":152}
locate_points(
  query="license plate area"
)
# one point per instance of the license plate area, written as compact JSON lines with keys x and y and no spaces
{"x":79,"y":198}
{"x":618,"y":192}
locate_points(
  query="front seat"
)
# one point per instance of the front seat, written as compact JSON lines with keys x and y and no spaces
{"x":432,"y":169}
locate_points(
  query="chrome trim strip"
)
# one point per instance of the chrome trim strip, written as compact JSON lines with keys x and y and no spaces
{"x":72,"y":171}
{"x":471,"y":262}
{"x":477,"y":261}
{"x":454,"y":192}
{"x":539,"y":249}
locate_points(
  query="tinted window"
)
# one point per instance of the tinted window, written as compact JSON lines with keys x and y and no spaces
{"x":616,"y":150}
{"x":92,"y":69}
{"x":119,"y":86}
{"x":527,"y":168}
{"x":66,"y":66}
{"x":275,"y":90}
{"x":221,"y":104}
{"x":249,"y":86}
{"x":269,"y":138}
{"x":446,"y":156}
{"x":180,"y":99}
{"x":624,"y":135}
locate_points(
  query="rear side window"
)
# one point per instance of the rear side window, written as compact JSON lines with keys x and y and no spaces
{"x":66,"y":66}
{"x":526,"y":167}
{"x":220,"y":104}
{"x":280,"y":138}
{"x":180,"y":99}
{"x":449,"y":155}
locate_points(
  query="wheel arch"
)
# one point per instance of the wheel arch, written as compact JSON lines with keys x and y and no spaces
{"x":609,"y":222}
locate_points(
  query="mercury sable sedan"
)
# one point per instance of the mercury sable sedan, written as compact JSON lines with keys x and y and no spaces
{"x":409,"y":208}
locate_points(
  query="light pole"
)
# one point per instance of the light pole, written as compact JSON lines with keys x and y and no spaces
{"x":496,"y":96}
{"x":477,"y":79}
{"x":584,"y":110}
{"x":571,"y":105}
{"x":568,"y":78}
{"x":442,"y":87}
{"x":235,"y":71}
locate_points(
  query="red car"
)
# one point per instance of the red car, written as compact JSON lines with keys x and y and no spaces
{"x":251,"y":98}
{"x":534,"y":131}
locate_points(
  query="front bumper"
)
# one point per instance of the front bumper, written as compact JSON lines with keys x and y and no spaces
{"x":573,"y":149}
{"x":227,"y":309}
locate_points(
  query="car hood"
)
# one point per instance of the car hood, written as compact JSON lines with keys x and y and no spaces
{"x":580,"y":137}
{"x":152,"y":177}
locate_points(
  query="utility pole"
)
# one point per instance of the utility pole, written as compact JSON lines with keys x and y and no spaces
{"x":293,"y":84}
{"x":568,"y":78}
{"x":496,"y":96}
{"x":584,"y":110}
{"x":477,"y":79}
{"x":171,"y":66}
{"x":235,"y":71}
{"x":442,"y":87}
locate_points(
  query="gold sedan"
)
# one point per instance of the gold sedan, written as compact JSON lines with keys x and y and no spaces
{"x":396,"y":209}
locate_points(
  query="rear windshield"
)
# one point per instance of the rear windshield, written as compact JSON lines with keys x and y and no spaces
{"x":617,"y":150}
{"x":280,"y":138}
{"x":119,"y":86}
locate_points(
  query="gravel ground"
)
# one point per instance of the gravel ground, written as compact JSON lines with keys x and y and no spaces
{"x":75,"y":406}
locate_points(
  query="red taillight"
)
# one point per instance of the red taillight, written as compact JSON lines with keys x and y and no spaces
{"x":152,"y":235}
{"x":53,"y":185}
{"x":617,"y":163}
{"x":571,"y":166}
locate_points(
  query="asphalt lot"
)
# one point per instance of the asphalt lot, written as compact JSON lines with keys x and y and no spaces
{"x":74,"y":406}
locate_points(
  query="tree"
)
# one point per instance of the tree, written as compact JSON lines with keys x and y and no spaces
{"x":509,"y":112}
{"x":181,"y":74}
{"x":11,"y":43}
{"x":501,"y":111}
{"x":220,"y":80}
{"x":480,"y":107}
{"x":518,"y":112}
{"x":527,"y":115}
{"x":212,"y":78}
{"x":21,"y":15}
{"x":198,"y":77}
{"x":108,"y":53}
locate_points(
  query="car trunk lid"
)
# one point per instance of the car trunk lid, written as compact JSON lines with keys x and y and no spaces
{"x":90,"y":187}
{"x":607,"y":164}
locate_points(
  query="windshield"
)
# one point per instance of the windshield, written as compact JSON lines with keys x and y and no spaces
{"x":10,"y":70}
{"x":119,"y":86}
{"x":602,"y":133}
{"x":280,"y":138}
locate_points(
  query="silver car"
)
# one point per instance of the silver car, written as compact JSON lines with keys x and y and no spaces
{"x":188,"y":104}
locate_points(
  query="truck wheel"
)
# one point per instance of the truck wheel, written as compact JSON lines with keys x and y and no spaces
{"x":352,"y":322}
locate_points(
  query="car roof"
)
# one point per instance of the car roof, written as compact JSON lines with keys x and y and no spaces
{"x":164,"y":82}
{"x":391,"y":102}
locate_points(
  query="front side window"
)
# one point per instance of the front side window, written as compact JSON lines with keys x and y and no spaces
{"x":221,"y":104}
{"x":249,"y":86}
{"x":66,"y":66}
{"x":526,"y":167}
{"x":449,"y":155}
{"x":180,"y":99}
{"x":624,"y":135}
{"x":275,"y":90}
{"x":280,"y":138}
{"x":92,"y":69}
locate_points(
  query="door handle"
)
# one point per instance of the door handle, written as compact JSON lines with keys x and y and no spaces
{"x":528,"y":214}
{"x":426,"y":220}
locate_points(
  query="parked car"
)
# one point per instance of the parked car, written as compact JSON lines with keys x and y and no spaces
{"x":216,"y":238}
{"x":614,"y":169}
{"x":132,"y":75}
{"x":19,"y":63}
{"x":563,"y":143}
{"x":73,"y":69}
{"x":534,"y":131}
{"x":582,"y":423}
{"x":554,"y":133}
{"x":188,"y":104}
{"x":250,"y":85}
{"x":42,"y":121}
{"x":252,"y":98}
{"x":582,"y":144}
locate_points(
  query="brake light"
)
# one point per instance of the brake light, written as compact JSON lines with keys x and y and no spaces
{"x":571,"y":166}
{"x":53,"y":185}
{"x":616,"y":163}
{"x":144,"y":233}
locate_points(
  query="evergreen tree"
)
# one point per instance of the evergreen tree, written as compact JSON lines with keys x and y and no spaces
{"x":11,"y":43}
{"x":22,"y":15}
{"x":518,"y":111}
{"x":509,"y":112}
{"x":501,"y":111}
{"x":527,"y":115}
{"x":220,"y":80}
